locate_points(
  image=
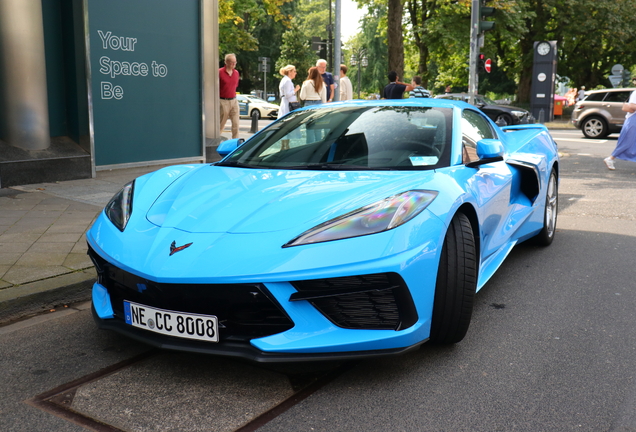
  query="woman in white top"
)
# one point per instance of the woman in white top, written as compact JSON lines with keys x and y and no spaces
{"x":346,"y":89}
{"x":287,"y":89}
{"x":313,"y":90}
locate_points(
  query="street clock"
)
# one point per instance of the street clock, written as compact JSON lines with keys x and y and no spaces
{"x":543,"y":78}
{"x":543,"y":48}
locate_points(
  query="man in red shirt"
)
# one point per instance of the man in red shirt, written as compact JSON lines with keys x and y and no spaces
{"x":228,"y":83}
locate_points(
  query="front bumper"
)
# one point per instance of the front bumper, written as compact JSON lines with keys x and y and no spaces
{"x":336,"y":318}
{"x":237,"y":349}
{"x":411,"y":252}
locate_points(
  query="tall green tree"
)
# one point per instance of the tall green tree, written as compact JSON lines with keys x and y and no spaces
{"x":252,"y":29}
{"x":296,"y":51}
{"x":395,"y":36}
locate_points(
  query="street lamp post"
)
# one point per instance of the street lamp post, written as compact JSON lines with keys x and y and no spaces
{"x":361,"y":54}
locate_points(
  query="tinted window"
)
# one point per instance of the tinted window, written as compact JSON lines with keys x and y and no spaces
{"x":595,"y":97}
{"x":356,"y":138}
{"x":474,"y":128}
{"x":618,"y":96}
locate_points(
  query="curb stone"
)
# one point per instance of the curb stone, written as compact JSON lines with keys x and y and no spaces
{"x":31,"y":299}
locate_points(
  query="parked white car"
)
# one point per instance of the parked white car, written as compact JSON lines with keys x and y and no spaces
{"x":250,"y":105}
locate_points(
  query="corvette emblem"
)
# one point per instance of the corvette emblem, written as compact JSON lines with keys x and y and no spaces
{"x":174,"y":248}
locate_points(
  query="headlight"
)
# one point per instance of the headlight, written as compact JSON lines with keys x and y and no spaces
{"x":119,"y":208}
{"x":380,"y":216}
{"x":519,"y":114}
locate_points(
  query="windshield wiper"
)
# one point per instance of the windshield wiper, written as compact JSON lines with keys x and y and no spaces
{"x":234,"y":164}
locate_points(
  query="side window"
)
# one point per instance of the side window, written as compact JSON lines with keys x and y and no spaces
{"x":620,"y":96}
{"x":474,"y":128}
{"x":595,"y":97}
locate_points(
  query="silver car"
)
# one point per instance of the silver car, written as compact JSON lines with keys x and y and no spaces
{"x":599,"y":113}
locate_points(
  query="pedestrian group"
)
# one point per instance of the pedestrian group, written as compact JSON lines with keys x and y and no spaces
{"x":318,"y":88}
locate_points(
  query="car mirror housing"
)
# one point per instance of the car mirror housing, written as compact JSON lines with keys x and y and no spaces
{"x":489,"y":148}
{"x":228,"y":146}
{"x":488,"y":151}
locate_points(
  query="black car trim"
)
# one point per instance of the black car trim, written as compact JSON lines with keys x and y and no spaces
{"x":238,"y":349}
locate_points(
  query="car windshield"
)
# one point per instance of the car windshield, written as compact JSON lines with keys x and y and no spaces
{"x":484,"y":100}
{"x":351,"y":138}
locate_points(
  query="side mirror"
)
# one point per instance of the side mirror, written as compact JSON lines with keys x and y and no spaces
{"x":488,"y":150}
{"x":228,"y":146}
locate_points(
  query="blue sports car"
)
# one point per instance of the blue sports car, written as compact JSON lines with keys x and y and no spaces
{"x":351,"y":229}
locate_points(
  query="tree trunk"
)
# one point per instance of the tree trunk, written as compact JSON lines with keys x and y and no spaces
{"x":395,"y":39}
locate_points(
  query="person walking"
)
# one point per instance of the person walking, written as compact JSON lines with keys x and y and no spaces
{"x":346,"y":89}
{"x":313,"y":91}
{"x":286,"y":89}
{"x":327,"y":78}
{"x":395,"y":89}
{"x":228,"y":83}
{"x":418,"y":90}
{"x":581,"y":94}
{"x":626,"y":145}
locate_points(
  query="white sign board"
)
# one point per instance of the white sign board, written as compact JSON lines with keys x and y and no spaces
{"x":616,"y":80}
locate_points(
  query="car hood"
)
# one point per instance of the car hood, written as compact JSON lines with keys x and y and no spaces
{"x":238,"y":200}
{"x":266,"y":105}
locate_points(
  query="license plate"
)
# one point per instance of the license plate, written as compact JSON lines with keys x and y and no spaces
{"x":171,"y":323}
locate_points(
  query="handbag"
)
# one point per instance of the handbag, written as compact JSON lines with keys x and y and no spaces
{"x":294,"y":106}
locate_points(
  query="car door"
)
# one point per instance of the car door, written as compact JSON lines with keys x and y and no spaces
{"x":613,"y":102}
{"x":243,"y":106}
{"x":490,"y":185}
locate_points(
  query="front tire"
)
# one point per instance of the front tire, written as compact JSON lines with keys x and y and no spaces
{"x":594,"y":127}
{"x":456,"y":284}
{"x":546,"y":235}
{"x":503,"y":120}
{"x":256,"y":113}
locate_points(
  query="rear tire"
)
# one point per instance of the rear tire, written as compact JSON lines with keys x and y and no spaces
{"x":456,"y":284}
{"x":546,"y":235}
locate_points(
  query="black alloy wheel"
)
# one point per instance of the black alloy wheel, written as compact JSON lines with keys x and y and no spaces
{"x":503,"y":120}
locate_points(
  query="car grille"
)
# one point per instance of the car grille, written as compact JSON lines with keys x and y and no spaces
{"x":244,"y":311}
{"x":375,"y":301}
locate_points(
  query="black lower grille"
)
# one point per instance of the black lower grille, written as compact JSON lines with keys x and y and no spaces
{"x":376,"y":301}
{"x":245,"y":311}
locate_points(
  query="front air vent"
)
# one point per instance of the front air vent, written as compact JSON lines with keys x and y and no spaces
{"x":375,"y":302}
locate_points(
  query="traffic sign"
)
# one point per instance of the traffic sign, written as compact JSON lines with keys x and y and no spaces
{"x":488,"y":65}
{"x":616,"y":80}
{"x":617,"y":69}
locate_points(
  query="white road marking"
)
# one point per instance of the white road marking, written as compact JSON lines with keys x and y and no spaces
{"x":581,"y":139}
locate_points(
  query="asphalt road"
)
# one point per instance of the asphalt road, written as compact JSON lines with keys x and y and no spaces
{"x":551,"y":347}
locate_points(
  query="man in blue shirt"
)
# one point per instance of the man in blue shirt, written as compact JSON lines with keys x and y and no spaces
{"x":327,"y":78}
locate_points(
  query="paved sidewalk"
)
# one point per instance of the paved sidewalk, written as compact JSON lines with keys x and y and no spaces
{"x":43,"y":260}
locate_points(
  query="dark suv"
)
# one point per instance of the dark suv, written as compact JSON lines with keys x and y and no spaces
{"x":503,"y":115}
{"x":599,"y":113}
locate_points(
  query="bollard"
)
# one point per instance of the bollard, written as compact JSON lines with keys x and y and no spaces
{"x":255,"y":117}
{"x":541,"y":116}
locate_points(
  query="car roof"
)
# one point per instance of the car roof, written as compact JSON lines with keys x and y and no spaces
{"x":610,"y":90}
{"x":424,"y":102}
